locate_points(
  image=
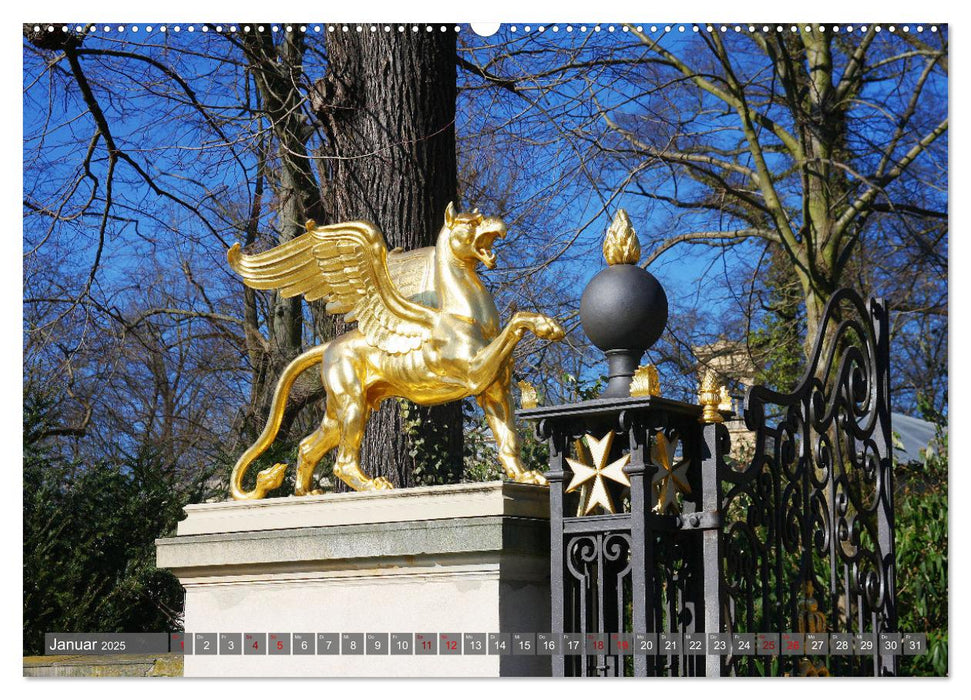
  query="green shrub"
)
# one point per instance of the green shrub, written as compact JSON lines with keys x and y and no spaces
{"x":89,"y":539}
{"x":920,"y":510}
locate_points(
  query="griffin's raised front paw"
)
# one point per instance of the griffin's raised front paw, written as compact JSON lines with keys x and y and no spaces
{"x":548,"y":329}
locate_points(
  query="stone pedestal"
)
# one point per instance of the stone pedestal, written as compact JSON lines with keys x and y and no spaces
{"x":454,"y":559}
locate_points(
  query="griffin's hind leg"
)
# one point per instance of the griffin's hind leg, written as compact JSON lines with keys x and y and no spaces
{"x":312,"y":449}
{"x":352,"y":414}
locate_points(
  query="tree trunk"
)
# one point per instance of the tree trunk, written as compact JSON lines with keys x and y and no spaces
{"x":388,"y":108}
{"x":277,"y":71}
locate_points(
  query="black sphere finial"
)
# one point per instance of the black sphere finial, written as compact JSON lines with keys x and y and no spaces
{"x":624,"y":309}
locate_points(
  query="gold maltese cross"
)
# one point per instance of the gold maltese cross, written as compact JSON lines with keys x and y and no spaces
{"x":597,"y":471}
{"x":671,"y":478}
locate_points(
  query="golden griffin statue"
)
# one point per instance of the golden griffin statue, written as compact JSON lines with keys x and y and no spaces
{"x":427,"y":331}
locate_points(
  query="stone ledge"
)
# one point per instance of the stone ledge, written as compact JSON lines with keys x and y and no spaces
{"x":399,"y":546}
{"x":398,"y":505}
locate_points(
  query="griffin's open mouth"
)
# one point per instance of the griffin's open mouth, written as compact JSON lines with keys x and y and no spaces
{"x":487,"y":257}
{"x":487,"y":233}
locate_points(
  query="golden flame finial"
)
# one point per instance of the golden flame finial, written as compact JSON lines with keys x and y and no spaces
{"x":710,"y":397}
{"x":621,"y":246}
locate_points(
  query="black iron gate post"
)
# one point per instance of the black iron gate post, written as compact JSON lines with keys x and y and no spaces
{"x":555,"y":476}
{"x":714,"y":444}
{"x":641,"y":472}
{"x":607,"y":575}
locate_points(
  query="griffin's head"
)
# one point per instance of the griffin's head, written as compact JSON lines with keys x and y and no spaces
{"x":471,"y":235}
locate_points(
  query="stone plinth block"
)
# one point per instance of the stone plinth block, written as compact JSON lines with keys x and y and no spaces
{"x":466,"y":558}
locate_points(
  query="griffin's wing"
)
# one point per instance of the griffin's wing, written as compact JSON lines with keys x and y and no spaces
{"x":413,"y":273}
{"x":346,"y":265}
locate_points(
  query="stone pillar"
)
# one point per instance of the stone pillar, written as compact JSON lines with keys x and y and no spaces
{"x":454,"y":559}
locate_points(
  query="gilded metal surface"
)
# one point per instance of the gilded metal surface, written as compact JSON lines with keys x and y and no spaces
{"x":527,"y":395}
{"x":810,"y":618}
{"x":429,"y":354}
{"x":808,"y":670}
{"x":596,"y":471}
{"x":710,"y":397}
{"x":584,"y":457}
{"x":645,"y":382}
{"x":413,"y":273}
{"x":621,"y":246}
{"x":672,"y":477}
{"x":725,"y":402}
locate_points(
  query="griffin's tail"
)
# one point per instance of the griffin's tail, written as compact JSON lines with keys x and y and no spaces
{"x":271,"y":477}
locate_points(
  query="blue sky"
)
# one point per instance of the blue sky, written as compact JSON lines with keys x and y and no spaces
{"x":153,"y":234}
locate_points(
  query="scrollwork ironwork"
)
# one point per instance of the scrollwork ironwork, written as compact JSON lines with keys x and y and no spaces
{"x":814,"y":503}
{"x":600,"y":567}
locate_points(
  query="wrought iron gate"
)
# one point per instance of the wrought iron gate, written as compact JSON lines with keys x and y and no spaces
{"x":798,"y":538}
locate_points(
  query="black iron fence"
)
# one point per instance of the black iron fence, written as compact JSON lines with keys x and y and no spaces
{"x":659,"y":539}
